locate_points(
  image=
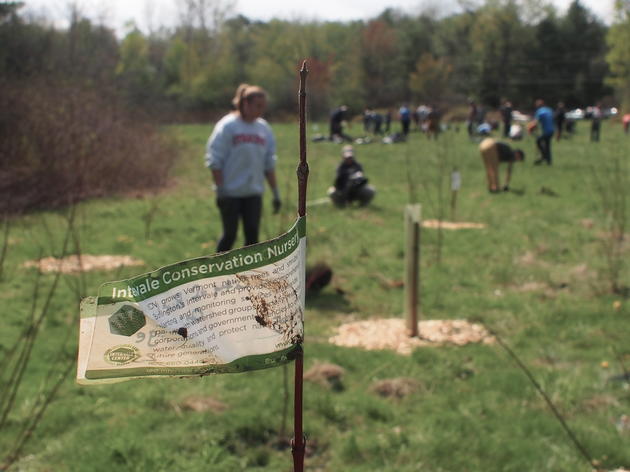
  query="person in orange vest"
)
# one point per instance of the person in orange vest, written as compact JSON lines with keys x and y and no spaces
{"x":494,"y":153}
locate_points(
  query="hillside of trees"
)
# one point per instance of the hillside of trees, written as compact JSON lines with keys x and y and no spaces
{"x":504,"y":48}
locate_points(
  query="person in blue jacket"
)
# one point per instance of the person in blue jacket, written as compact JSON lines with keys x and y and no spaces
{"x":544,"y":117}
{"x":405,"y":118}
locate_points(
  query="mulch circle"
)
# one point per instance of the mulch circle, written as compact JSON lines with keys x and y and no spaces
{"x":392,"y":334}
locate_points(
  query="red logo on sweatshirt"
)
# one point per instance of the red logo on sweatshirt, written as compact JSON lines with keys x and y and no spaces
{"x":248,"y":138}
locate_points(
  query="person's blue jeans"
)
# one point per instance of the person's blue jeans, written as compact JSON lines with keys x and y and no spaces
{"x":232,"y":209}
{"x":544,"y":146}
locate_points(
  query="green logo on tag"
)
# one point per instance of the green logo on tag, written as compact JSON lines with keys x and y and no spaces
{"x":121,"y":355}
{"x":126,"y":321}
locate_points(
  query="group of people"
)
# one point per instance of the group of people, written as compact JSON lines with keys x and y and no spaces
{"x":563,"y":124}
{"x":493,"y":152}
{"x":376,"y":123}
{"x":241,"y":153}
{"x":549,"y":122}
{"x":426,"y":119}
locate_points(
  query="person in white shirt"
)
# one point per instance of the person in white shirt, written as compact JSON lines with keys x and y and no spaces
{"x":241,"y":153}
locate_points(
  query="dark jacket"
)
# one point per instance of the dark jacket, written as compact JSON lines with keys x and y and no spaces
{"x":349,"y":174}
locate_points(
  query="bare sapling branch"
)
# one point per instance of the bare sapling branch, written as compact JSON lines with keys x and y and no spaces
{"x":612,"y":187}
{"x":17,"y":374}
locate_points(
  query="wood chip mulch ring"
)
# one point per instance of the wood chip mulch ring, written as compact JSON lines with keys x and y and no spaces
{"x":392,"y":334}
{"x":452,"y":224}
{"x":74,"y":264}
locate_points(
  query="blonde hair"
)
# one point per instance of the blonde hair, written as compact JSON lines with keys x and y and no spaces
{"x":246,"y":92}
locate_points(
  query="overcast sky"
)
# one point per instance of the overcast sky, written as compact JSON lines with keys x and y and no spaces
{"x":116,"y":13}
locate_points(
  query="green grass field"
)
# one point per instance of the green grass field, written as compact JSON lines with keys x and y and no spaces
{"x":537,"y":275}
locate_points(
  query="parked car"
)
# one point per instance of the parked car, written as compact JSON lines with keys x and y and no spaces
{"x":580,"y":114}
{"x":576,"y":114}
{"x":608,"y":112}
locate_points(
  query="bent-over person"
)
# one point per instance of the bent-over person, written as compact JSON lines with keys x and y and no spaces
{"x":493,"y":153}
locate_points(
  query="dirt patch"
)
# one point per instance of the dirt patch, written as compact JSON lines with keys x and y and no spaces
{"x":531,"y":287}
{"x":572,"y":278}
{"x":599,"y":402}
{"x":388,"y":283}
{"x":392,"y":334}
{"x":548,"y":290}
{"x":531,"y":258}
{"x":452,"y":224}
{"x":395,"y":388}
{"x":528,"y":259}
{"x":581,"y":272}
{"x":370,"y":218}
{"x":587,"y":223}
{"x":326,"y":375}
{"x":200,"y":404}
{"x":85,"y":263}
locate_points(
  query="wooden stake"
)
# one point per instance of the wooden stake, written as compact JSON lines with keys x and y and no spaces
{"x":453,"y":204}
{"x":412,"y":267}
{"x":298,"y":444}
{"x":456,"y":183}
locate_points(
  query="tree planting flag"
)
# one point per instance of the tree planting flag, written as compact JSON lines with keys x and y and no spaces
{"x":231,"y":312}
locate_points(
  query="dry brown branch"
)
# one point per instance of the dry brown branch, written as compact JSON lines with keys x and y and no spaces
{"x":61,"y":143}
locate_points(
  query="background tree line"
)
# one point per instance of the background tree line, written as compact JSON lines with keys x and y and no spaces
{"x":500,"y":48}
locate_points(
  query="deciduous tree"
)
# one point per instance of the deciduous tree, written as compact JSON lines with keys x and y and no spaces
{"x":618,"y":57}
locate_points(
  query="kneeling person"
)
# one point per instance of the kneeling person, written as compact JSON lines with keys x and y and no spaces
{"x":493,"y":153}
{"x":350,"y":183}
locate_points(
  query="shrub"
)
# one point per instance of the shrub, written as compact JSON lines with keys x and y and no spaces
{"x":61,"y":143}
